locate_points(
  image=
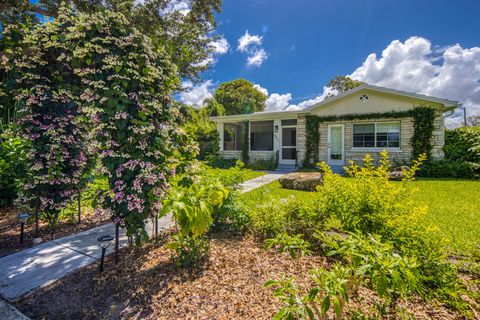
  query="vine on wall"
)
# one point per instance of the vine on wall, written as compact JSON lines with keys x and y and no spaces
{"x":246,"y":142}
{"x":423,"y":122}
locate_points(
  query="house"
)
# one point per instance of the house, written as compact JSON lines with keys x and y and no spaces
{"x":366,"y":119}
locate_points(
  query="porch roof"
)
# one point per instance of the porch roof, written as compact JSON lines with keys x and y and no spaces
{"x":264,"y":115}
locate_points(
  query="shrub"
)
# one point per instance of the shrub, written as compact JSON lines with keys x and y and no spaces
{"x":294,"y":245}
{"x":232,"y":177}
{"x":13,"y":166}
{"x":217,"y":161}
{"x":463,"y":144}
{"x":231,"y":216}
{"x":450,"y":169}
{"x":369,"y":202}
{"x":263,"y":164}
{"x":189,"y":251}
{"x":269,"y":218}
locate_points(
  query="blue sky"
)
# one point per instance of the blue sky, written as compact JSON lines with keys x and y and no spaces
{"x":428,"y":46}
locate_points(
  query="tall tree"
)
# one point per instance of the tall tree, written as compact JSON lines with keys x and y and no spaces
{"x":342,"y":84}
{"x":240,"y":96}
{"x":183,"y":31}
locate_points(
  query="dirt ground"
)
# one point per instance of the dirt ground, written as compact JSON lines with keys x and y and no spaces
{"x":146,"y":285}
{"x":10,"y":229}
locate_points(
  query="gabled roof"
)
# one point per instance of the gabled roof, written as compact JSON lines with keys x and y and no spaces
{"x":449,"y":104}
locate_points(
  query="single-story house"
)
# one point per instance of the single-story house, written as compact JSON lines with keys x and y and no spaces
{"x":366,"y":119}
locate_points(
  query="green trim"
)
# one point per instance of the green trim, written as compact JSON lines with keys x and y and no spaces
{"x":423,"y":122}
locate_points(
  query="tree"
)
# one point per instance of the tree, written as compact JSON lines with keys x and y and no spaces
{"x":342,"y":84}
{"x":473,"y":121}
{"x":240,"y":96}
{"x":185,"y":36}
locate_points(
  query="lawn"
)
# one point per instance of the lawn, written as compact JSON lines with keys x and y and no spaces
{"x":453,"y":206}
{"x":246,"y":174}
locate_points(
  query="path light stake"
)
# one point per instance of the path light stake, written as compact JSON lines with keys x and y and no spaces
{"x":104,"y":241}
{"x":156,"y":225}
{"x":79,"y":206}
{"x":37,"y":208}
{"x":23,"y":218}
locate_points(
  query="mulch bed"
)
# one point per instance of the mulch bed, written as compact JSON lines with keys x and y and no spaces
{"x":146,"y":285}
{"x":10,"y":229}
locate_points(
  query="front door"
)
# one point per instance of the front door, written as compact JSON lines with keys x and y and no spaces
{"x":288,"y":153}
{"x":336,"y":145}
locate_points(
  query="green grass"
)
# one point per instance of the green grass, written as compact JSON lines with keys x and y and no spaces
{"x":247,"y":174}
{"x":453,"y":206}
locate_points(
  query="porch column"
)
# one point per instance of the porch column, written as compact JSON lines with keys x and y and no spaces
{"x":220,"y":134}
{"x":277,"y":143}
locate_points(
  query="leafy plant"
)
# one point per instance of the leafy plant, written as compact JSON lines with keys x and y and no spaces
{"x":294,"y":245}
{"x":387,"y":272}
{"x":332,"y":289}
{"x":189,"y":251}
{"x":13,"y":166}
{"x":295,"y":306}
{"x":232,"y":215}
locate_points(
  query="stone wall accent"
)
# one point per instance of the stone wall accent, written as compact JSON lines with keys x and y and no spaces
{"x":438,"y":136}
{"x":301,"y":137}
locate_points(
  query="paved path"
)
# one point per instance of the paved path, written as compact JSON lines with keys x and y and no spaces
{"x":36,"y":267}
{"x":260,"y":181}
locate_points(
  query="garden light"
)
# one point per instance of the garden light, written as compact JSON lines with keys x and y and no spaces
{"x":104,"y":241}
{"x":23,"y":218}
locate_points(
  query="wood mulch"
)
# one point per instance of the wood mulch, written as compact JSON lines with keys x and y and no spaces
{"x":146,"y":285}
{"x":10,"y":229}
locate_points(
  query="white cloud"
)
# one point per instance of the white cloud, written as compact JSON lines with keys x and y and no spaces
{"x":261,"y":89}
{"x":310,"y":102}
{"x":248,"y":40}
{"x":278,"y":102}
{"x":220,"y":46}
{"x":449,"y":72}
{"x":250,"y":44}
{"x":256,"y":58}
{"x":182,"y":6}
{"x":195,"y":95}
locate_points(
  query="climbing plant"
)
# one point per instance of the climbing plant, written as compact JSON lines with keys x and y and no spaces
{"x":56,"y":149}
{"x":126,"y":95}
{"x":423,"y":122}
{"x":246,"y":142}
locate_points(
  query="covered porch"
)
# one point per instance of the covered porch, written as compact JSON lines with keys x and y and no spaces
{"x":269,"y":136}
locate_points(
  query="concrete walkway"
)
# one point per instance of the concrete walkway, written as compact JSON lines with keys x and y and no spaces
{"x":261,"y":181}
{"x":36,"y":267}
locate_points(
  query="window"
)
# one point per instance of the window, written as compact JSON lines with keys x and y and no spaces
{"x":364,"y":135}
{"x":388,"y":135}
{"x":232,"y":136}
{"x":379,"y":135}
{"x":261,"y":135}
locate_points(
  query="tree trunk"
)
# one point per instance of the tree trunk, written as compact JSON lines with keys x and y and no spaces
{"x":79,"y":206}
{"x":117,"y":241}
{"x":37,"y":208}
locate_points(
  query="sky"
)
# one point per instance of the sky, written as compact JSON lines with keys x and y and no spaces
{"x":291,"y":49}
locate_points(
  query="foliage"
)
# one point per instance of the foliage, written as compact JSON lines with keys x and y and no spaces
{"x":189,"y":251}
{"x":295,"y":306}
{"x":294,"y":245}
{"x":13,"y":166}
{"x":232,"y":216}
{"x":57,"y":153}
{"x":240,"y":96}
{"x":423,"y":121}
{"x":332,"y":288}
{"x":186,"y":36}
{"x":264,"y":164}
{"x":217,"y":161}
{"x":389,"y":274}
{"x":342,"y":84}
{"x":202,"y":130}
{"x":423,"y":125}
{"x":450,"y":169}
{"x":369,"y":202}
{"x":269,"y":217}
{"x":462,"y":144}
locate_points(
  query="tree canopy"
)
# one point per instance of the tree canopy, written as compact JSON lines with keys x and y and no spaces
{"x":342,"y":84}
{"x":184,"y":34}
{"x":240,"y":96}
